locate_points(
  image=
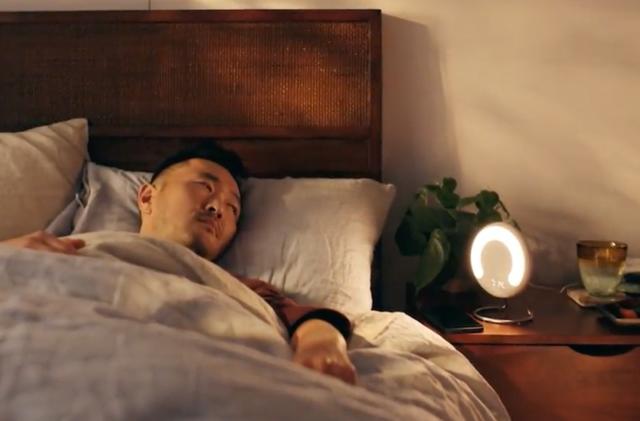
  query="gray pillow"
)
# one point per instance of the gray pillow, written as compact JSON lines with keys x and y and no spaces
{"x":108,"y":200}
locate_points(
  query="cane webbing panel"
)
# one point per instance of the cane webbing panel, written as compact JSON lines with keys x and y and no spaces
{"x":161,"y":79}
{"x":275,"y":74}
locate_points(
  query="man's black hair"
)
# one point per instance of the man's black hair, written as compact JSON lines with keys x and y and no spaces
{"x":210,"y":151}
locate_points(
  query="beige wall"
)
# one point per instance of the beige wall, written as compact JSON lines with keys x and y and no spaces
{"x":539,"y":100}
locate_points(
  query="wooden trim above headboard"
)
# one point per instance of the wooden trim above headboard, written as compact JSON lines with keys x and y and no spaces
{"x":294,"y":92}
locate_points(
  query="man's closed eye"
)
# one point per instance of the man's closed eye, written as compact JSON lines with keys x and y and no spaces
{"x":206,"y":185}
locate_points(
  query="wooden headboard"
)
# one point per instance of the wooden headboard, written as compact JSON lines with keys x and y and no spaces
{"x":294,"y":92}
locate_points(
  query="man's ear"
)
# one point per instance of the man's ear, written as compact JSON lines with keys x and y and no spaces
{"x":145,"y":198}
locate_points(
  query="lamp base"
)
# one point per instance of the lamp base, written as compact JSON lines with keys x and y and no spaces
{"x":500,"y":315}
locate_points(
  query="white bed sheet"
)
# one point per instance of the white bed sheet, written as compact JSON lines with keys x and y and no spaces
{"x":137,"y":328}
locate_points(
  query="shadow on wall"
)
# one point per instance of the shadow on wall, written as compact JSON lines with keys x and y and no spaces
{"x":418,"y":141}
{"x":552,"y":246}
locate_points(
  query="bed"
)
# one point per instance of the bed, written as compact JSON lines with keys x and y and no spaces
{"x":123,"y":331}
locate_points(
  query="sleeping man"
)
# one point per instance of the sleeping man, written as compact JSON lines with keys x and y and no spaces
{"x":194,"y":200}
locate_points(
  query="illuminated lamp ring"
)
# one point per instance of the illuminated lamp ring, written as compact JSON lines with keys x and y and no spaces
{"x":506,"y":235}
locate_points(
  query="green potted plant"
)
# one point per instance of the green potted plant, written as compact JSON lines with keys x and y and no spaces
{"x":438,"y":226}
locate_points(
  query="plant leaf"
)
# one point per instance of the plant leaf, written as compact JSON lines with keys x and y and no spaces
{"x":432,"y":260}
{"x":433,"y":188}
{"x":449,"y":184}
{"x":487,"y":199}
{"x":409,"y":239}
{"x":419,"y":203}
{"x":422,"y":194}
{"x":428,"y":218}
{"x":460,"y":236}
{"x":447,"y":199}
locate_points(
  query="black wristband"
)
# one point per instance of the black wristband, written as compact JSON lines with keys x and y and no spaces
{"x":333,"y":317}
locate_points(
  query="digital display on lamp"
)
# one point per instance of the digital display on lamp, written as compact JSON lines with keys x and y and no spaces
{"x":499,"y":260}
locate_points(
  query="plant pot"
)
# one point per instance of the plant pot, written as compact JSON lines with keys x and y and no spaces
{"x":462,"y":281}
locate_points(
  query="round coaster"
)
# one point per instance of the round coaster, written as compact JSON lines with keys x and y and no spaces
{"x":592,"y":299}
{"x":581,"y":297}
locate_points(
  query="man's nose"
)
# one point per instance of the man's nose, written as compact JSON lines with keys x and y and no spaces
{"x":214,"y":209}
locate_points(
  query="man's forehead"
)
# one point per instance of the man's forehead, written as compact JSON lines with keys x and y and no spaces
{"x":203,"y":167}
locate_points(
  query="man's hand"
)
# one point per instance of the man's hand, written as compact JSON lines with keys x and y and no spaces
{"x":320,"y":346}
{"x":41,"y":240}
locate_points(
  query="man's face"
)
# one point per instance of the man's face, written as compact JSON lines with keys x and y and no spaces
{"x":195,"y":203}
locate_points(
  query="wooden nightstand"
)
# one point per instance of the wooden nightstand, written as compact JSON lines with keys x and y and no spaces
{"x":567,"y":364}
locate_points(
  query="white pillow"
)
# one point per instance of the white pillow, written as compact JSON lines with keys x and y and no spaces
{"x":311,"y":238}
{"x":38,"y":175}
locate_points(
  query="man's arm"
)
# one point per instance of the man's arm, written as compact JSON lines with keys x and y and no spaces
{"x":42,"y":240}
{"x":318,"y":335}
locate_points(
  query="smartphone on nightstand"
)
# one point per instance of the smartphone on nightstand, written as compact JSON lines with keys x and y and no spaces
{"x":450,"y":319}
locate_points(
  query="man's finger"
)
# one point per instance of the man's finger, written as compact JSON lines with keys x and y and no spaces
{"x":344,"y":372}
{"x":340,"y":370}
{"x":76,"y":243}
{"x":40,"y":246}
{"x":348,"y":374}
{"x":315,"y":364}
{"x":57,"y":245}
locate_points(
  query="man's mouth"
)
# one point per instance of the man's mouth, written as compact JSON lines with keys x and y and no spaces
{"x":212,"y":225}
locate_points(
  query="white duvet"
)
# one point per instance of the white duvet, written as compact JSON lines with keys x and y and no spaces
{"x":126,"y":332}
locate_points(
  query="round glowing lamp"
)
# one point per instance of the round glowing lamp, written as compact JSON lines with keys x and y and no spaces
{"x":500,"y":263}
